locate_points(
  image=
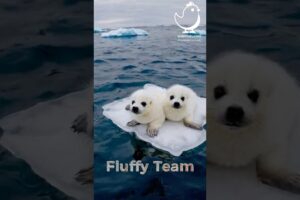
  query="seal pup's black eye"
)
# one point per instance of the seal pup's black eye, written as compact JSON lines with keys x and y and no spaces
{"x":171,"y":97}
{"x":132,"y":102}
{"x":219,"y":91}
{"x":144,"y":104}
{"x":253,"y":95}
{"x":182,"y":98}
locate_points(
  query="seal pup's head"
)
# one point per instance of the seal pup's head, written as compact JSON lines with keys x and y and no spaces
{"x":178,"y":96}
{"x":140,"y":103}
{"x":241,"y":90}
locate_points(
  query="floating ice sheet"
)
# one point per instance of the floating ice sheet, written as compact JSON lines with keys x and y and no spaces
{"x":173,"y":137}
{"x":41,"y":135}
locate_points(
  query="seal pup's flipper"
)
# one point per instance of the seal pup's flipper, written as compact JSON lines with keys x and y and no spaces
{"x":85,"y":176}
{"x":80,"y":124}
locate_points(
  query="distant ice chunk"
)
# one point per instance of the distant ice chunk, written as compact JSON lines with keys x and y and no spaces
{"x":98,"y":30}
{"x":124,"y":32}
{"x":197,"y":32}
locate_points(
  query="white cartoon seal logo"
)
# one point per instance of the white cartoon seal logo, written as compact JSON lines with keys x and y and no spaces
{"x":190,"y":7}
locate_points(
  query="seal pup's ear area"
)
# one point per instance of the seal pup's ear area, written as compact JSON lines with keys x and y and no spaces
{"x":127,"y":107}
{"x":150,"y":102}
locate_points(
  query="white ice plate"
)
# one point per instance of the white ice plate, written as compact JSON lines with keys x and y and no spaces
{"x":41,"y":135}
{"x":173,"y":137}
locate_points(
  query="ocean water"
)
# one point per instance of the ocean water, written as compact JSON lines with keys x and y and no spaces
{"x":44,"y":54}
{"x":271,"y":29}
{"x":121,"y":66}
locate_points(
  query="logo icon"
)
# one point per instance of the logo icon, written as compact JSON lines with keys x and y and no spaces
{"x":190,"y":7}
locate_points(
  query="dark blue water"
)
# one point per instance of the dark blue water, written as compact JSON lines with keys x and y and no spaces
{"x":45,"y":53}
{"x":121,"y":67}
{"x":268,"y":28}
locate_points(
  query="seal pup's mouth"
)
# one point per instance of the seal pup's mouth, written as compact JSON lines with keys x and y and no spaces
{"x":235,"y":125}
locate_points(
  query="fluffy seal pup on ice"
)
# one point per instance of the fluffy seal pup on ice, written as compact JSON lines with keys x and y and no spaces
{"x":253,"y":114}
{"x":146,"y":106}
{"x":180,"y":105}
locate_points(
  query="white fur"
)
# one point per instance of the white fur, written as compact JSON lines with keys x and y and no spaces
{"x":187,"y":107}
{"x":152,"y":114}
{"x":270,"y":122}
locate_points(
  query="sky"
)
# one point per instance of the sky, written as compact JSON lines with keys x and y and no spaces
{"x":135,"y":13}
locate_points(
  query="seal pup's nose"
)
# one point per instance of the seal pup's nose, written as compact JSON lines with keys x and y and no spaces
{"x":234,"y":115}
{"x":135,"y":109}
{"x":176,"y":105}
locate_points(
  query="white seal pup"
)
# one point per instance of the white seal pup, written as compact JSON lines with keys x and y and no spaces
{"x":180,"y":105}
{"x":146,"y":106}
{"x":253,"y":112}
